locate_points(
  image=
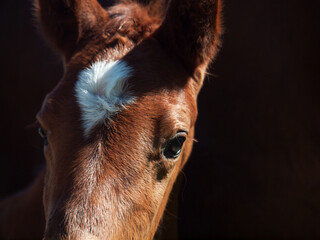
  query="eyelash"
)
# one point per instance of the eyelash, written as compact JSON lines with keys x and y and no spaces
{"x":42,"y":134}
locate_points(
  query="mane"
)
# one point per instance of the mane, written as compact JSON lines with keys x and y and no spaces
{"x":155,"y":8}
{"x":134,"y":20}
{"x":129,"y":20}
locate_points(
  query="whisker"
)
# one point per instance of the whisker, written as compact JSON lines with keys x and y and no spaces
{"x":192,"y":139}
{"x":35,"y":125}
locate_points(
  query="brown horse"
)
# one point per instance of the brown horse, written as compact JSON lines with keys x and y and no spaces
{"x":119,"y":126}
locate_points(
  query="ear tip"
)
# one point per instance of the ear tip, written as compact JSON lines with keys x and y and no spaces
{"x":194,"y":34}
{"x":63,"y":22}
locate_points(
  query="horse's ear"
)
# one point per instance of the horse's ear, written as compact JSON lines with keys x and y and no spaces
{"x":68,"y":22}
{"x":191,"y":31}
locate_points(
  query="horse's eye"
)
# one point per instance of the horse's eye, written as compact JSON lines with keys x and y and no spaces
{"x":173,"y":147}
{"x":43,"y":135}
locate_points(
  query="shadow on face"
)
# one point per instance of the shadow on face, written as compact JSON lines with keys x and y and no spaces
{"x":119,"y":126}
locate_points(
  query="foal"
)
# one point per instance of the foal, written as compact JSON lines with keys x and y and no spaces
{"x":119,"y":125}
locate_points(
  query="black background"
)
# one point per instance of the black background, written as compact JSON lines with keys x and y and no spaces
{"x":255,"y":171}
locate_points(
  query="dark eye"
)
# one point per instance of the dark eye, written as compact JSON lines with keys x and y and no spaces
{"x":172,"y":148}
{"x":43,"y":135}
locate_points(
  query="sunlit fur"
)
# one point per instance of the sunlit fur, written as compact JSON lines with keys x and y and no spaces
{"x":101,"y":92}
{"x":115,"y":183}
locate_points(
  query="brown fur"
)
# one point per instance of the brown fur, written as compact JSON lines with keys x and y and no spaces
{"x":115,"y":184}
{"x":21,"y":215}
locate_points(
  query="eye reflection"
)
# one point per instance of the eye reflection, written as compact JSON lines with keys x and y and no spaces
{"x":173,"y":147}
{"x":43,"y":135}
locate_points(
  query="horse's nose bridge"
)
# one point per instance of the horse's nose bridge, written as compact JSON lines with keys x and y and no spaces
{"x":63,"y":227}
{"x":76,"y":236}
{"x":74,"y":213}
